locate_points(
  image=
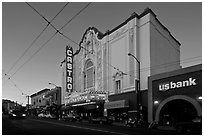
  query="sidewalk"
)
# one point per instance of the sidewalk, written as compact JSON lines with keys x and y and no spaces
{"x":166,"y":128}
{"x":118,"y":123}
{"x":163,"y":128}
{"x":114,"y":123}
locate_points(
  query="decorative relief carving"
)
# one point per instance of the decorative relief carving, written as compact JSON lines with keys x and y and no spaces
{"x":118,"y":32}
{"x":99,"y":69}
{"x":118,"y":75}
{"x":88,"y":42}
{"x":105,"y":66}
{"x":131,"y":35}
{"x":92,"y":49}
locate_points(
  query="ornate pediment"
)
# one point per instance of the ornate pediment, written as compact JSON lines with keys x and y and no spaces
{"x":90,"y":41}
{"x":90,"y":32}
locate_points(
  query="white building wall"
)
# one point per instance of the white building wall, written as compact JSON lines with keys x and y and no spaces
{"x":118,"y":58}
{"x":144,"y":50}
{"x":164,"y":50}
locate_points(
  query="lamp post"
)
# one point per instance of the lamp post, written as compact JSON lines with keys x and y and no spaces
{"x":137,"y":90}
{"x":53,"y":84}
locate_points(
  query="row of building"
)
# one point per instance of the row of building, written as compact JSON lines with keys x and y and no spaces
{"x":133,"y":68}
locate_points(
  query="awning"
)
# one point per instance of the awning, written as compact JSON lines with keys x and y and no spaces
{"x":116,"y":104}
{"x":83,"y":104}
{"x":65,"y":107}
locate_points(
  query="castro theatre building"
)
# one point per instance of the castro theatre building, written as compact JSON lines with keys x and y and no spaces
{"x":175,"y":96}
{"x":103,"y":72}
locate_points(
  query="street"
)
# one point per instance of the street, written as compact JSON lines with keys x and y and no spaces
{"x":37,"y":126}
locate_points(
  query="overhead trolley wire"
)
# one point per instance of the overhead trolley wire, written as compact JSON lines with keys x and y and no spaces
{"x":49,"y":22}
{"x":184,"y":61}
{"x":49,"y":38}
{"x":75,"y":16}
{"x":9,"y":78}
{"x":59,"y":30}
{"x":187,"y":60}
{"x":170,"y":63}
{"x":33,"y":54}
{"x":36,"y":37}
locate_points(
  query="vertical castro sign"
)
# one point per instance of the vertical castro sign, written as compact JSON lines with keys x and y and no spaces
{"x":69,"y":69}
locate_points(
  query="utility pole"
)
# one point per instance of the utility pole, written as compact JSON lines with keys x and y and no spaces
{"x":28,"y":100}
{"x":27,"y":96}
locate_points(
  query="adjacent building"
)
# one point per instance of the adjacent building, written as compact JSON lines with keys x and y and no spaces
{"x":8,"y":105}
{"x":38,"y":99}
{"x":46,"y":101}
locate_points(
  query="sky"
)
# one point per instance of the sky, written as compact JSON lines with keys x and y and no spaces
{"x":21,"y":25}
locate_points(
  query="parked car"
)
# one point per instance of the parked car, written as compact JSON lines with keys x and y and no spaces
{"x":194,"y":126}
{"x":17,"y":113}
{"x":130,"y":122}
{"x":41,"y":115}
{"x":101,"y":120}
{"x":72,"y":117}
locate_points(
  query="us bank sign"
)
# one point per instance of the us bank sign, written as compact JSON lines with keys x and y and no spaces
{"x":69,"y":69}
{"x":179,"y":84}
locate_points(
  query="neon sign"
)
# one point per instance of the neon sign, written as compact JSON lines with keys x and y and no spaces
{"x":69,"y":69}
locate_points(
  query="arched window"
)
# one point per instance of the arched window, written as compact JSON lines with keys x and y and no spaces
{"x":89,"y":75}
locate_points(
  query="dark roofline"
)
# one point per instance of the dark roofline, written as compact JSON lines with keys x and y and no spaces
{"x":134,"y":15}
{"x":39,"y":92}
{"x":8,"y":100}
{"x":148,"y":10}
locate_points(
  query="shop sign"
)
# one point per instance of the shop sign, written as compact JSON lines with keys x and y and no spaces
{"x":116,"y":104}
{"x":69,"y":69}
{"x":179,"y":84}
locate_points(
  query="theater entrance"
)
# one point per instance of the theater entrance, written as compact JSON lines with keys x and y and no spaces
{"x":177,"y":110}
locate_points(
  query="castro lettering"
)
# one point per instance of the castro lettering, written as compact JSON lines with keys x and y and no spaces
{"x":69,"y":69}
{"x":179,"y":84}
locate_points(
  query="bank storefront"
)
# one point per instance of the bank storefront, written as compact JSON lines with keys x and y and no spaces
{"x":175,"y":96}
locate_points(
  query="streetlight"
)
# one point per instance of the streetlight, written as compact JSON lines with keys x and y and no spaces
{"x":53,"y":84}
{"x":137,"y":89}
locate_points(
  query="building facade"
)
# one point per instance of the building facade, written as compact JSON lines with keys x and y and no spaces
{"x":46,"y":101}
{"x":8,"y":105}
{"x":103,"y":63}
{"x":38,"y":99}
{"x":175,"y":96}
